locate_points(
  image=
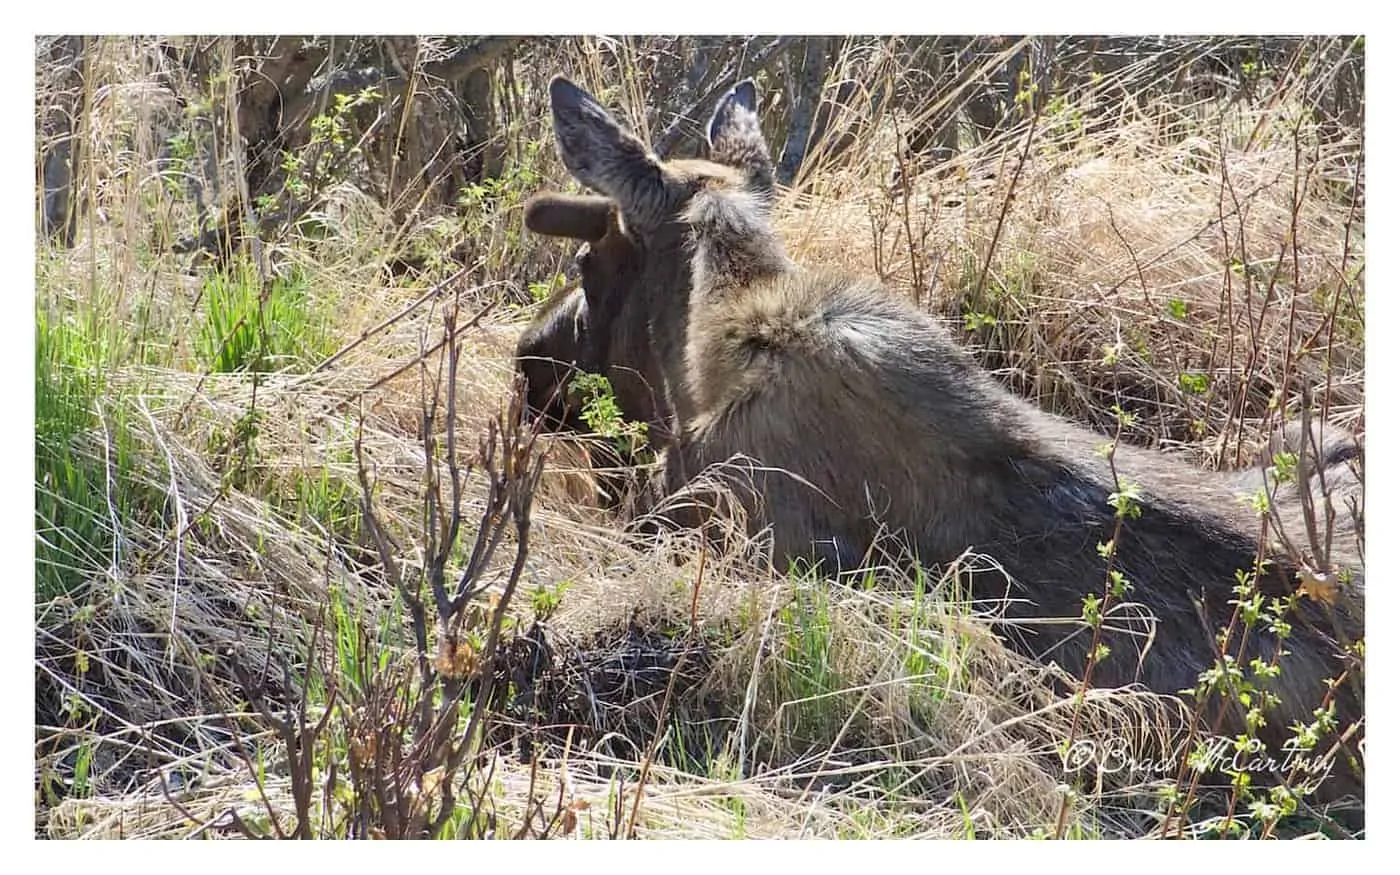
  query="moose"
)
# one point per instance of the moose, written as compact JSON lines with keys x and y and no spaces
{"x":839,"y":417}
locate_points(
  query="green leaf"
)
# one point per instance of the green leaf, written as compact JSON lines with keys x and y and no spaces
{"x":1193,"y":383}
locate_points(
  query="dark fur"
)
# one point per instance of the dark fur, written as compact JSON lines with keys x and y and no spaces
{"x":855,"y":418}
{"x":582,"y":328}
{"x":546,"y":356}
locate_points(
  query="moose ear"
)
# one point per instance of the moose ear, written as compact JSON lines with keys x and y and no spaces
{"x":581,"y":217}
{"x":736,"y":140}
{"x":604,"y":157}
{"x":739,"y":102}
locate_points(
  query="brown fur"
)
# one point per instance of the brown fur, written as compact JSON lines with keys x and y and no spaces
{"x":854,"y":419}
{"x":580,"y":330}
{"x":577,"y":332}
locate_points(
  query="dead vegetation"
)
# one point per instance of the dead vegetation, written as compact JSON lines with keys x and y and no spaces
{"x":226,"y":637}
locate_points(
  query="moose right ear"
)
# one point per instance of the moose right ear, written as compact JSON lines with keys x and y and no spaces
{"x":736,"y":139}
{"x":604,"y":157}
{"x":581,"y":217}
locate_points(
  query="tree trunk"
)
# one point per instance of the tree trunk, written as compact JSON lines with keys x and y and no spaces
{"x":481,"y":150}
{"x":282,"y":83}
{"x":807,"y":65}
{"x":60,"y":150}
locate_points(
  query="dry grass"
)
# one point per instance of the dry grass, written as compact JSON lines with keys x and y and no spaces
{"x":806,"y":710}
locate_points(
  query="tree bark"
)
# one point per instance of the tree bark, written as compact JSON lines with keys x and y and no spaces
{"x":807,"y":66}
{"x":279,"y":95}
{"x":60,"y":151}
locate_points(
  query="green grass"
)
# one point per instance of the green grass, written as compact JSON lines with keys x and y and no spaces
{"x":805,"y":675}
{"x":256,"y":326}
{"x":83,"y":456}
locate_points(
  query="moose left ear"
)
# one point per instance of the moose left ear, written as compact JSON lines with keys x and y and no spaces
{"x":736,"y":140}
{"x":604,"y":157}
